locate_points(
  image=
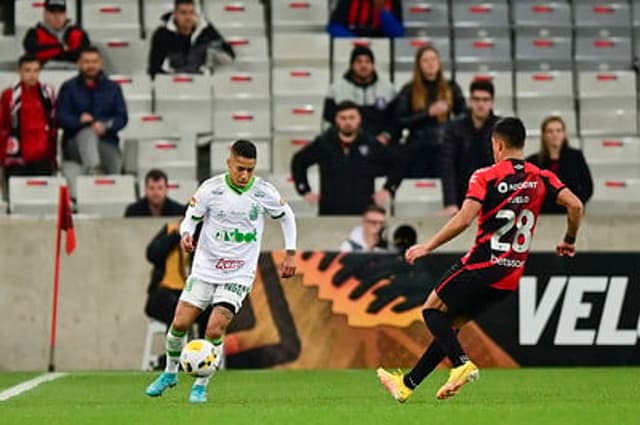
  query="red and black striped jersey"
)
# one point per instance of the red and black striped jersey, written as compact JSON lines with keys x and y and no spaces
{"x":511,"y":193}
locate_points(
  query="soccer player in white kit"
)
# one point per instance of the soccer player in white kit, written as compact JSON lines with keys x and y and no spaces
{"x":232,"y":207}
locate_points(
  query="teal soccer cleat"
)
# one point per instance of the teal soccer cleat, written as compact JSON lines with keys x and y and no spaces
{"x":164,"y":381}
{"x":198,"y":394}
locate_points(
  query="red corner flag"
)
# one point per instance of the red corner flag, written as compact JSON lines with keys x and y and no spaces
{"x":65,"y":220}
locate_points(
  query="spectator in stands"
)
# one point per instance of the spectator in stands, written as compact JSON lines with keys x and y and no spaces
{"x":91,"y":110}
{"x":168,"y":277}
{"x":423,"y":106}
{"x":466,"y":145}
{"x":349,"y":159}
{"x":56,"y":41}
{"x":156,"y":202}
{"x":185,"y":41}
{"x":28,"y":133}
{"x":368,"y":236}
{"x":567,"y":163}
{"x":366,"y":18}
{"x":362,"y":85}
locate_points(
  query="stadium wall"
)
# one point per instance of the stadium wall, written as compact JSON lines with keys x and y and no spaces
{"x":101,"y":320}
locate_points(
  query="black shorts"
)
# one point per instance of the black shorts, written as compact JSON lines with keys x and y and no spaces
{"x":469,"y":292}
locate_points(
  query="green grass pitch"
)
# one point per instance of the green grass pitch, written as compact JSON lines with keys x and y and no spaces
{"x":584,"y":396}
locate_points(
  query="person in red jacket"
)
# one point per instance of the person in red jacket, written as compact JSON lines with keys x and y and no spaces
{"x":27,"y":126}
{"x":56,"y":39}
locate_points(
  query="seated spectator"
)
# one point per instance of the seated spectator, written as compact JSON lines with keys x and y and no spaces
{"x":91,"y":110}
{"x":155,"y":202}
{"x":28,"y":133}
{"x":366,"y":18}
{"x":362,"y":85}
{"x":423,"y":106}
{"x":349,"y":160}
{"x":168,"y":277}
{"x":567,"y":163}
{"x":368,"y":236}
{"x":183,"y":44}
{"x":56,"y":41}
{"x":466,"y":145}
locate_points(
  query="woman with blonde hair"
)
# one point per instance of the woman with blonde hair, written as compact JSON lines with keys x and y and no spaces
{"x":423,"y":106}
{"x":566,"y":162}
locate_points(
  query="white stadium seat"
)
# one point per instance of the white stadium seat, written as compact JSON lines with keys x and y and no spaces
{"x":105,"y":196}
{"x":34,"y":195}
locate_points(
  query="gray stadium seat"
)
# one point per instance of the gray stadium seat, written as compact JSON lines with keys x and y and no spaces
{"x":299,"y":15}
{"x":295,"y":82}
{"x":613,"y":157}
{"x":422,"y":18}
{"x":602,"y":14}
{"x":416,"y":197}
{"x":101,"y":17}
{"x":251,"y":54}
{"x":137,"y":92}
{"x":541,"y":14}
{"x":34,"y":195}
{"x":544,"y":49}
{"x":243,"y":18}
{"x":152,"y":11}
{"x":599,"y":50}
{"x":611,"y":196}
{"x":532,"y":118}
{"x":285,"y":185}
{"x":404,"y":51}
{"x":181,"y":190}
{"x":186,"y":97}
{"x":240,"y":85}
{"x":310,"y":49}
{"x":235,"y":119}
{"x":298,"y":116}
{"x":105,"y":196}
{"x":480,"y":14}
{"x":9,"y":52}
{"x":175,"y":157}
{"x":146,"y":127}
{"x":543,"y":91}
{"x":285,"y":145}
{"x":123,"y":56}
{"x":479,"y":54}
{"x":56,"y":77}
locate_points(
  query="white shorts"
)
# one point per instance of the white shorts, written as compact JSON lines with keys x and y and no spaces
{"x":202,"y":294}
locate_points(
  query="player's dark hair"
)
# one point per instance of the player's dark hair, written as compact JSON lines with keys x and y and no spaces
{"x":346,"y":104}
{"x":482,"y":85}
{"x":27,"y":58}
{"x":177,"y":3}
{"x":375,"y":208}
{"x":245,"y":149}
{"x":90,"y":49}
{"x":155,"y":174}
{"x":512,"y":131}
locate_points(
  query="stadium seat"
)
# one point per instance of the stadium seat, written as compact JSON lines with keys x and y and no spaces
{"x":149,"y":359}
{"x":416,"y":197}
{"x":300,"y":81}
{"x":543,"y":49}
{"x":298,"y":116}
{"x":543,"y":91}
{"x":613,"y":157}
{"x":285,"y":145}
{"x":541,"y":14}
{"x":124,"y":56}
{"x":603,"y":49}
{"x":8,"y":79}
{"x":233,"y":120}
{"x":482,"y":53}
{"x":29,"y":12}
{"x":175,"y":157}
{"x":181,"y":190}
{"x":185,"y":97}
{"x":105,"y":196}
{"x":404,"y":51}
{"x":8,"y":52}
{"x":137,"y":92}
{"x":103,"y":17}
{"x":56,"y":77}
{"x":421,"y":18}
{"x":480,"y":14}
{"x":243,"y":18}
{"x":299,"y":16}
{"x":602,"y":14}
{"x":502,"y":82}
{"x":251,"y":54}
{"x":532,"y":118}
{"x":607,"y":103}
{"x":146,"y":127}
{"x":34,"y":195}
{"x":220,"y":153}
{"x":342,"y":48}
{"x":152,"y":12}
{"x":240,"y":85}
{"x":304,"y":49}
{"x":615,"y":196}
{"x":285,"y":185}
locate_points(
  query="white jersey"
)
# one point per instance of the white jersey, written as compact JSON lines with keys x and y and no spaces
{"x":229,"y":244}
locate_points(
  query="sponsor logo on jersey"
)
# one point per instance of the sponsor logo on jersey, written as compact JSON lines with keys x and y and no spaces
{"x":193,"y":202}
{"x":507,"y":262}
{"x":259,"y":194}
{"x":254,"y":212}
{"x":236,"y":236}
{"x":218,"y":191}
{"x":228,"y":265}
{"x":504,"y":187}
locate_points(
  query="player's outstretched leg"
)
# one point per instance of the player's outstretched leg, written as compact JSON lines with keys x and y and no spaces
{"x":169,"y":378}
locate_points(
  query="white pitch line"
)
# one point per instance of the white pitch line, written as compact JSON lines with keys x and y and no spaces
{"x":25,"y":386}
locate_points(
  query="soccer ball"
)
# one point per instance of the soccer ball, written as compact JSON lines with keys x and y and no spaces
{"x":198,"y":358}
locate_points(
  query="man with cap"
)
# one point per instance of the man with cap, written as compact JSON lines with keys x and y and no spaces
{"x":362,"y":85}
{"x":56,"y":40}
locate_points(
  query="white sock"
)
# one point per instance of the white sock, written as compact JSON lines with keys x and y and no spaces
{"x":176,"y":341}
{"x":203,"y":381}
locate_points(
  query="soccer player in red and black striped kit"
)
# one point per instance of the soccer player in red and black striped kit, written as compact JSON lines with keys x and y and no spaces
{"x":507,"y":197}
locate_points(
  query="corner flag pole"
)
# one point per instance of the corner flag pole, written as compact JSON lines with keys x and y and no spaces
{"x":56,"y":285}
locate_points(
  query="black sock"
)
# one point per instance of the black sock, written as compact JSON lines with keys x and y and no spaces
{"x":442,"y":329}
{"x":425,"y":366}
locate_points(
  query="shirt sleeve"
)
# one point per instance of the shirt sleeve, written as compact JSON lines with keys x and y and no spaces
{"x":273,"y":203}
{"x":477,"y":186}
{"x":553,"y":184}
{"x":196,"y":211}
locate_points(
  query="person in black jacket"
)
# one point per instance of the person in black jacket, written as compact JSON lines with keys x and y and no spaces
{"x":423,"y":106}
{"x":183,"y":43}
{"x":349,"y":159}
{"x":567,"y":163}
{"x":155,"y":202}
{"x":466,"y":145}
